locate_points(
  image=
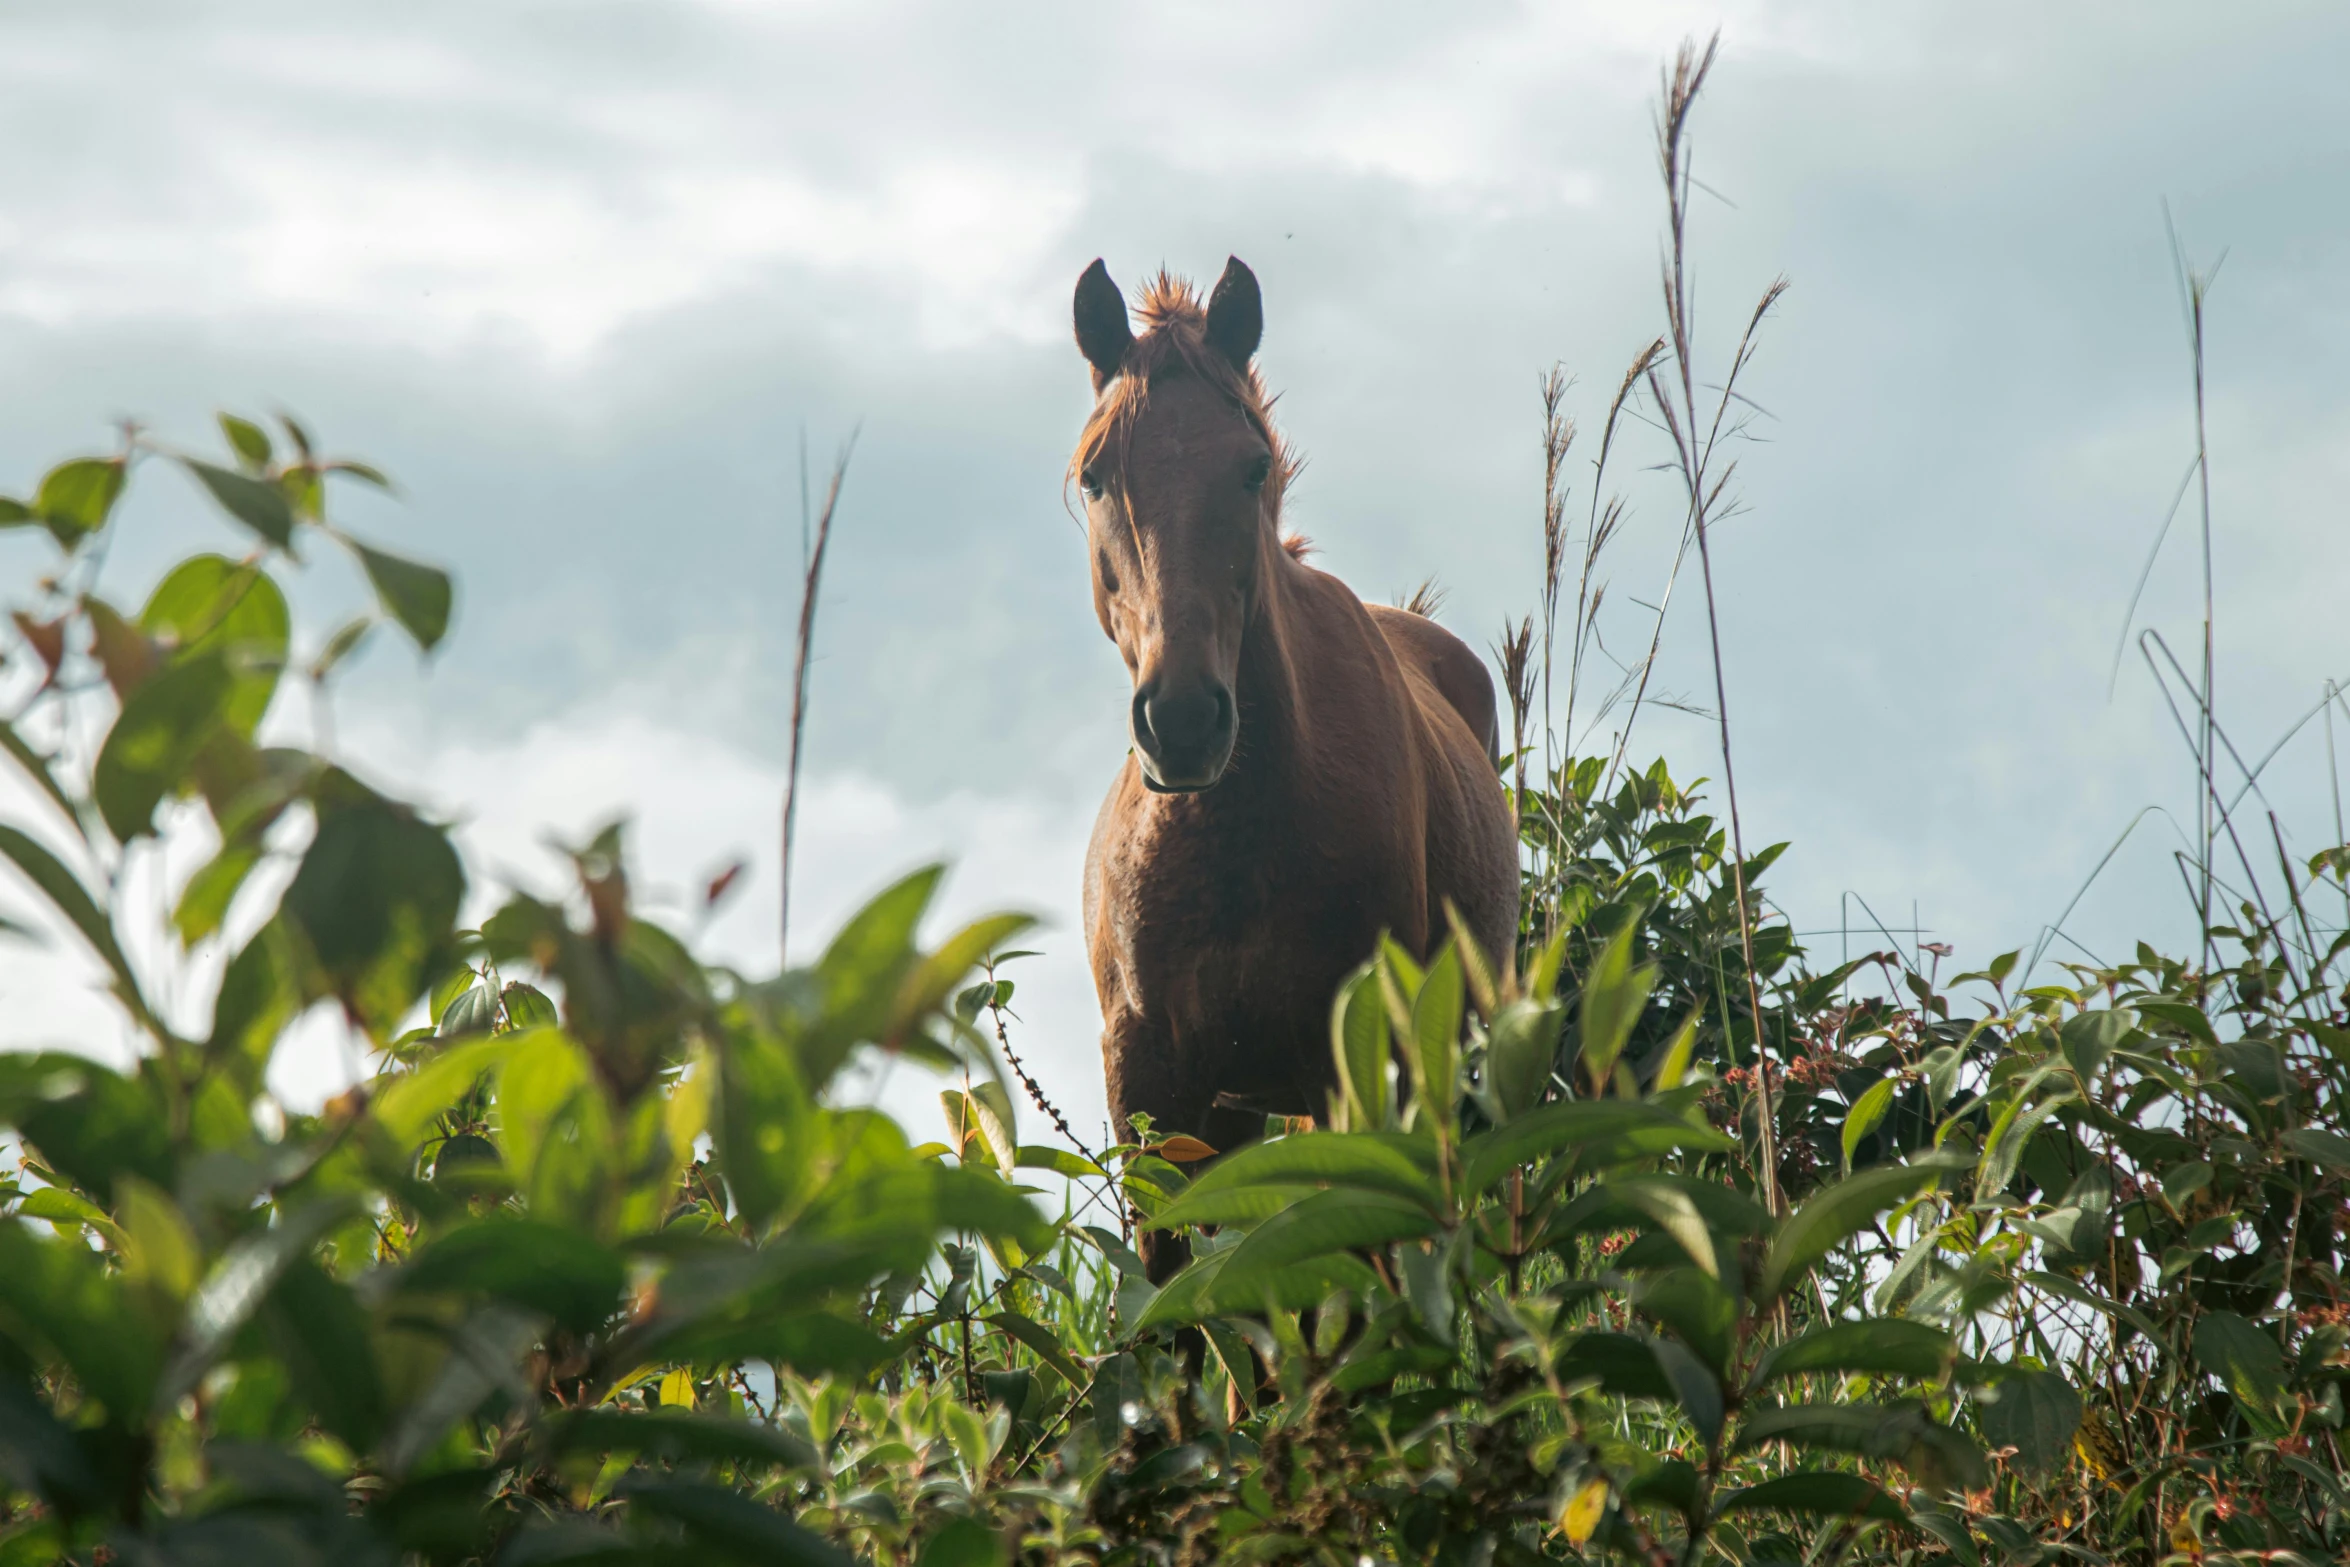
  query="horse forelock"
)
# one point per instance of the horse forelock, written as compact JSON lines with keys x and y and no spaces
{"x":1174,"y":341}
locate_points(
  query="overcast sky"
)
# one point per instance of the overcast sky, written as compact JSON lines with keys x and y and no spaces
{"x":580,"y":276}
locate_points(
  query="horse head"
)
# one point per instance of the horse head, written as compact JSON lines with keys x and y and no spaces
{"x":1182,"y":474}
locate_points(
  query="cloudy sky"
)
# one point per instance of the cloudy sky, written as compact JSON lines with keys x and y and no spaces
{"x":582,"y":277}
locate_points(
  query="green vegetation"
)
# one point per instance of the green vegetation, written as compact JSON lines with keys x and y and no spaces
{"x":1657,"y":1245}
{"x":2053,"y":1270}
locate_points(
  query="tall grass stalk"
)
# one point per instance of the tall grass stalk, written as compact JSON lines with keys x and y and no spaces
{"x":2194,"y":289}
{"x":1706,"y":492}
{"x":812,"y":552}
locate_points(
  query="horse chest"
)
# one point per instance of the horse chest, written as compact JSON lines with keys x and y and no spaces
{"x":1220,"y":926}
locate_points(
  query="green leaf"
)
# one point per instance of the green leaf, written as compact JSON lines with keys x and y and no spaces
{"x":1819,"y":1493}
{"x":1293,"y":1288}
{"x":2248,"y":1364}
{"x":256,"y":503}
{"x":985,"y":1112}
{"x":527,"y":1006}
{"x":2330,"y":1149}
{"x":75,"y":498}
{"x":66,"y":893}
{"x":925,"y":989}
{"x":1675,"y":1065}
{"x":411,"y":1103}
{"x":1436,"y":1033}
{"x":62,"y":1205}
{"x":211,"y":604}
{"x":1061,"y":1161}
{"x":1340,"y":1220}
{"x":204,"y":902}
{"x":318,"y":1329}
{"x":1359,"y":1042}
{"x":1043,"y":1341}
{"x":1242,"y":1206}
{"x":1843,"y":1209}
{"x":1672,"y":1483}
{"x":40,"y":1455}
{"x":675,"y":1436}
{"x":2091,"y":1037}
{"x":1604,"y":1131}
{"x":762,"y":1128}
{"x":1936,"y":1457}
{"x":554,"y":1128}
{"x":36,"y":767}
{"x":483,"y":1351}
{"x":366,"y":473}
{"x":1542,"y":975}
{"x":247,"y":439}
{"x":1883,"y":1346}
{"x":57,"y":1299}
{"x":473,"y":1011}
{"x":235,"y":1287}
{"x":376,"y":902}
{"x":1614,"y":996}
{"x":562,"y":1542}
{"x":1621,"y":1363}
{"x":416,"y":595}
{"x":860,"y":973}
{"x":1695,"y":1306}
{"x":731,"y":1524}
{"x":2010,"y":1136}
{"x":339,"y":647}
{"x":90,"y":1124}
{"x":1675,"y":1212}
{"x":963,"y":1542}
{"x":1695,"y":1386}
{"x":1353,"y":1159}
{"x":2036,"y":1413}
{"x":1866,"y":1112}
{"x":1383,"y":1367}
{"x":1521,"y":1048}
{"x":155,"y":740}
{"x":159,"y":1250}
{"x":556,"y":1272}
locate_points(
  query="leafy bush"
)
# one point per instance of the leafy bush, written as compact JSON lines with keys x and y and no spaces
{"x":591,"y":1268}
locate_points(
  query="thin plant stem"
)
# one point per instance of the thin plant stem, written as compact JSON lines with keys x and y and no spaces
{"x":811,"y":584}
{"x":2194,"y":288}
{"x":1705,"y":497}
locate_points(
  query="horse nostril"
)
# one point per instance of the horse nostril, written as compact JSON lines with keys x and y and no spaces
{"x":1142,"y":721}
{"x":1182,"y":725}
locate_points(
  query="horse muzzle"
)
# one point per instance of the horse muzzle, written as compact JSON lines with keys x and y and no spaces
{"x":1183,"y":735}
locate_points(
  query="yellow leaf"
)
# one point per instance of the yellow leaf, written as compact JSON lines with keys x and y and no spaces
{"x":1180,"y":1149}
{"x":1580,"y":1518}
{"x":677,"y":1388}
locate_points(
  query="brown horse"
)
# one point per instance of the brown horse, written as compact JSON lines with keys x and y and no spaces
{"x":1308,"y":770}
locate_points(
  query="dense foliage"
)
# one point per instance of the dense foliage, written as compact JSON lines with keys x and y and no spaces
{"x":592,"y":1267}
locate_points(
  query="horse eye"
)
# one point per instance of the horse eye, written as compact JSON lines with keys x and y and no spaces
{"x":1090,"y":482}
{"x":1258,"y":472}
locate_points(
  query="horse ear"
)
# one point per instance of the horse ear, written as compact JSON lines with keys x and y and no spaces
{"x":1102,"y":333}
{"x":1236,"y":313}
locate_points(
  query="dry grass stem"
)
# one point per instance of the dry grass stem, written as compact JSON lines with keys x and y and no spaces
{"x":811,"y":584}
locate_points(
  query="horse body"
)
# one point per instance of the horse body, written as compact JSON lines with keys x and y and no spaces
{"x":1309,"y":771}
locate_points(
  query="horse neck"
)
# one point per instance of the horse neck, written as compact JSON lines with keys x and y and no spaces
{"x":1273,"y":684}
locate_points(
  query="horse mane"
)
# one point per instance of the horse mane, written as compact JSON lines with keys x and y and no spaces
{"x":1174,"y":341}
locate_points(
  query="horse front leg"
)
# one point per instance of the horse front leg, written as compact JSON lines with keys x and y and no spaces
{"x":1149,"y":1074}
